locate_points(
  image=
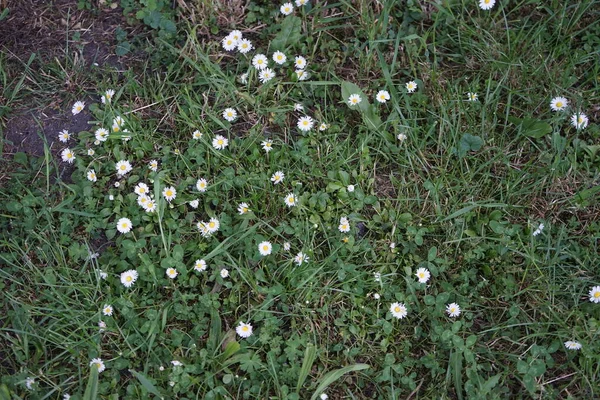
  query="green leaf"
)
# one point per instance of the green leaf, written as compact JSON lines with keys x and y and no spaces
{"x":309,"y":357}
{"x":289,"y":34}
{"x":91,"y":390}
{"x":349,"y":88}
{"x":531,"y":127}
{"x":469,"y":143}
{"x":146,"y":383}
{"x":122,"y":48}
{"x":333,"y":376}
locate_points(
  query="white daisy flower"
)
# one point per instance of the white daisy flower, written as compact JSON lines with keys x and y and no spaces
{"x":29,"y":382}
{"x":236,"y":35}
{"x":266,"y":75}
{"x":129,"y":277}
{"x":196,"y":135}
{"x":229,"y":114}
{"x":123,"y":167}
{"x":402,"y":137}
{"x":78,"y":107}
{"x":287,"y":246}
{"x":169,"y":193}
{"x":595,"y":294}
{"x":98,"y":363}
{"x":344,"y":225}
{"x":300,"y":62}
{"x":350,"y":188}
{"x":224,"y":273}
{"x":243,"y":78}
{"x":194,"y":203}
{"x":376,"y":296}
{"x":558,"y":103}
{"x":200,"y":265}
{"x":472,"y":96}
{"x":279,"y":57}
{"x":323,"y":396}
{"x":298,"y":107}
{"x":150,"y":206}
{"x":201,"y":185}
{"x":265,"y":248}
{"x":290,"y":200}
{"x":243,"y":208}
{"x":91,"y":152}
{"x":354,"y":100}
{"x":305,"y":124}
{"x":453,"y":310}
{"x":398,"y":310}
{"x":124,"y":225}
{"x":220,"y":142}
{"x":382,"y":96}
{"x":573,"y":345}
{"x":153,"y":165}
{"x":107,"y":96}
{"x":411,"y":86}
{"x":244,"y":330}
{"x":267,"y":145}
{"x":91,"y":176}
{"x":323,"y":127}
{"x":286,"y":9}
{"x":244,"y":46}
{"x":301,"y":258}
{"x":67,"y":156}
{"x":539,"y":230}
{"x":579,"y":120}
{"x":213,"y":225}
{"x":486,"y":4}
{"x":107,"y":310}
{"x":141,"y":188}
{"x":171,"y":273}
{"x":302,"y":74}
{"x":300,"y":3}
{"x":423,"y":275}
{"x":101,"y":135}
{"x":229,"y":43}
{"x":277,"y":177}
{"x":64,"y":136}
{"x":260,"y":61}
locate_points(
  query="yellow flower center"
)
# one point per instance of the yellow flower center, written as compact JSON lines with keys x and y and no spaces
{"x":124,"y":225}
{"x":344,"y":226}
{"x":245,"y":329}
{"x":169,"y":193}
{"x":396,"y":309}
{"x":244,"y":210}
{"x":129,"y":279}
{"x":597,"y":294}
{"x":559,"y":104}
{"x":580,"y":120}
{"x":421,"y":275}
{"x":220,"y":142}
{"x":142,"y":190}
{"x":123,"y":167}
{"x":265,"y":247}
{"x":211,"y":225}
{"x":107,"y":310}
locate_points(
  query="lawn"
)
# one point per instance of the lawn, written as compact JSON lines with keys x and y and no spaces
{"x":347,"y":200}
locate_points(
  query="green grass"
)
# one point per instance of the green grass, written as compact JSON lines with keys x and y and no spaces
{"x":461,"y":196}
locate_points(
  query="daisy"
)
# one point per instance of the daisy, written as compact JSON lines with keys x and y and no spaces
{"x":29,"y":382}
{"x":260,"y":61}
{"x":194,"y":203}
{"x":453,"y":310}
{"x":559,"y":103}
{"x":117,"y":184}
{"x":266,"y":75}
{"x":98,"y":363}
{"x":103,"y":275}
{"x":382,"y":96}
{"x":91,"y":176}
{"x":265,"y":248}
{"x":118,"y":121}
{"x":277,"y":177}
{"x":579,"y":120}
{"x":124,"y":225}
{"x":123,"y":167}
{"x":411,"y":86}
{"x":287,"y":246}
{"x":244,"y":46}
{"x":573,"y":345}
{"x":129,"y":277}
{"x":377,"y":276}
{"x":267,"y":145}
{"x":398,"y":310}
{"x":200,"y":265}
{"x":107,"y":96}
{"x":300,"y":62}
{"x":177,"y":363}
{"x":142,"y":200}
{"x":101,"y":134}
{"x":302,"y":74}
{"x":68,"y":156}
{"x":344,"y":225}
{"x":171,"y":273}
{"x":323,"y":396}
{"x":300,"y":3}
{"x":471,"y":96}
{"x":298,"y":107}
{"x":150,"y":206}
{"x":169,"y":193}
{"x":220,"y":142}
{"x":196,"y":135}
{"x":213,"y":225}
{"x":229,"y":43}
{"x":236,"y":35}
{"x":201,"y":185}
{"x":402,"y":137}
{"x":91,"y":152}
{"x":595,"y":294}
{"x":538,"y":230}
{"x":279,"y":57}
{"x":486,"y":4}
{"x":153,"y":165}
{"x":64,"y":136}
{"x":286,"y":9}
{"x":305,"y":124}
{"x":423,"y":275}
{"x":101,"y":326}
{"x":290,"y":200}
{"x":77,"y":107}
{"x":350,"y":188}
{"x":244,"y":330}
{"x":354,"y":99}
{"x":202,"y":228}
{"x":107,"y":310}
{"x":224,"y":273}
{"x":229,"y":114}
{"x":141,"y":188}
{"x":243,"y":78}
{"x":300,"y":258}
{"x":243,"y":208}
{"x":376,"y":296}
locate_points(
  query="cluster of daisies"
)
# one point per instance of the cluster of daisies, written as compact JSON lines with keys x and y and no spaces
{"x":578,"y":119}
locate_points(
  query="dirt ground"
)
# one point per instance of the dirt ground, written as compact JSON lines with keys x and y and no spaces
{"x":52,"y":30}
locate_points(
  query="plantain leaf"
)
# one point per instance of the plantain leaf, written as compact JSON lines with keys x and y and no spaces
{"x":145,"y":382}
{"x":333,"y":376}
{"x":289,"y":34}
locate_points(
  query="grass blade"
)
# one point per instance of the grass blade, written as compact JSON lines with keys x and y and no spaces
{"x":333,"y":376}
